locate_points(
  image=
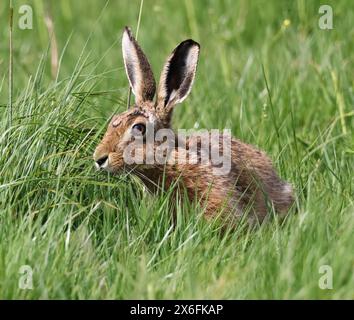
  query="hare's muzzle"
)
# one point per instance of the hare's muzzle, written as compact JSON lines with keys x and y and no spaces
{"x":101,"y":162}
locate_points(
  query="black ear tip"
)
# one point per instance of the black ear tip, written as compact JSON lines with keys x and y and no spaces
{"x":187,"y":44}
{"x":128,"y":30}
{"x":190,"y":43}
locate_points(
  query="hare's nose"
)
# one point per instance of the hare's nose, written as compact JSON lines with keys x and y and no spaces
{"x":101,"y":160}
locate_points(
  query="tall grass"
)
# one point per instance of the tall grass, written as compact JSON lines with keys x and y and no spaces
{"x":287,"y":88}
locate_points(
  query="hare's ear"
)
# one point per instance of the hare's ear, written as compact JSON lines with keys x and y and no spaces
{"x":177,"y":75}
{"x":138,"y":69}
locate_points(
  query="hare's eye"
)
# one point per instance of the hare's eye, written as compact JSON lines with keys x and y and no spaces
{"x":139,"y":128}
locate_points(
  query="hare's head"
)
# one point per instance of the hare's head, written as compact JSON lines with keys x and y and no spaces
{"x":175,"y":84}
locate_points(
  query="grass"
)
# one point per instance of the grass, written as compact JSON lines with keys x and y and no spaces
{"x":287,"y":88}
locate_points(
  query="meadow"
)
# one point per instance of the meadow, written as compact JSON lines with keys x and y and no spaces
{"x":267,"y":71}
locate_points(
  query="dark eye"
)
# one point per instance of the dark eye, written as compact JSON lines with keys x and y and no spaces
{"x":139,"y":128}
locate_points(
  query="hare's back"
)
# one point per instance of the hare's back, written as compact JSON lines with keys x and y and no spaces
{"x":253,"y":169}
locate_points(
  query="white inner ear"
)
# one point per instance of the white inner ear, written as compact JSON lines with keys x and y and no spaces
{"x":173,"y":96}
{"x":192,"y":57}
{"x":130,"y":58}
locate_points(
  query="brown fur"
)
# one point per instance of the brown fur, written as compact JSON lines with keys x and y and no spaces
{"x":251,"y":186}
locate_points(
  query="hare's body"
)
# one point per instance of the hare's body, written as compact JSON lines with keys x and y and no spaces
{"x":249,"y":186}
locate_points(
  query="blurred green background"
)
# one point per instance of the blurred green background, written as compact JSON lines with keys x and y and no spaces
{"x":236,"y":38}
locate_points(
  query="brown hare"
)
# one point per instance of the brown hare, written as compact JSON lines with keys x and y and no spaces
{"x":249,"y":186}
